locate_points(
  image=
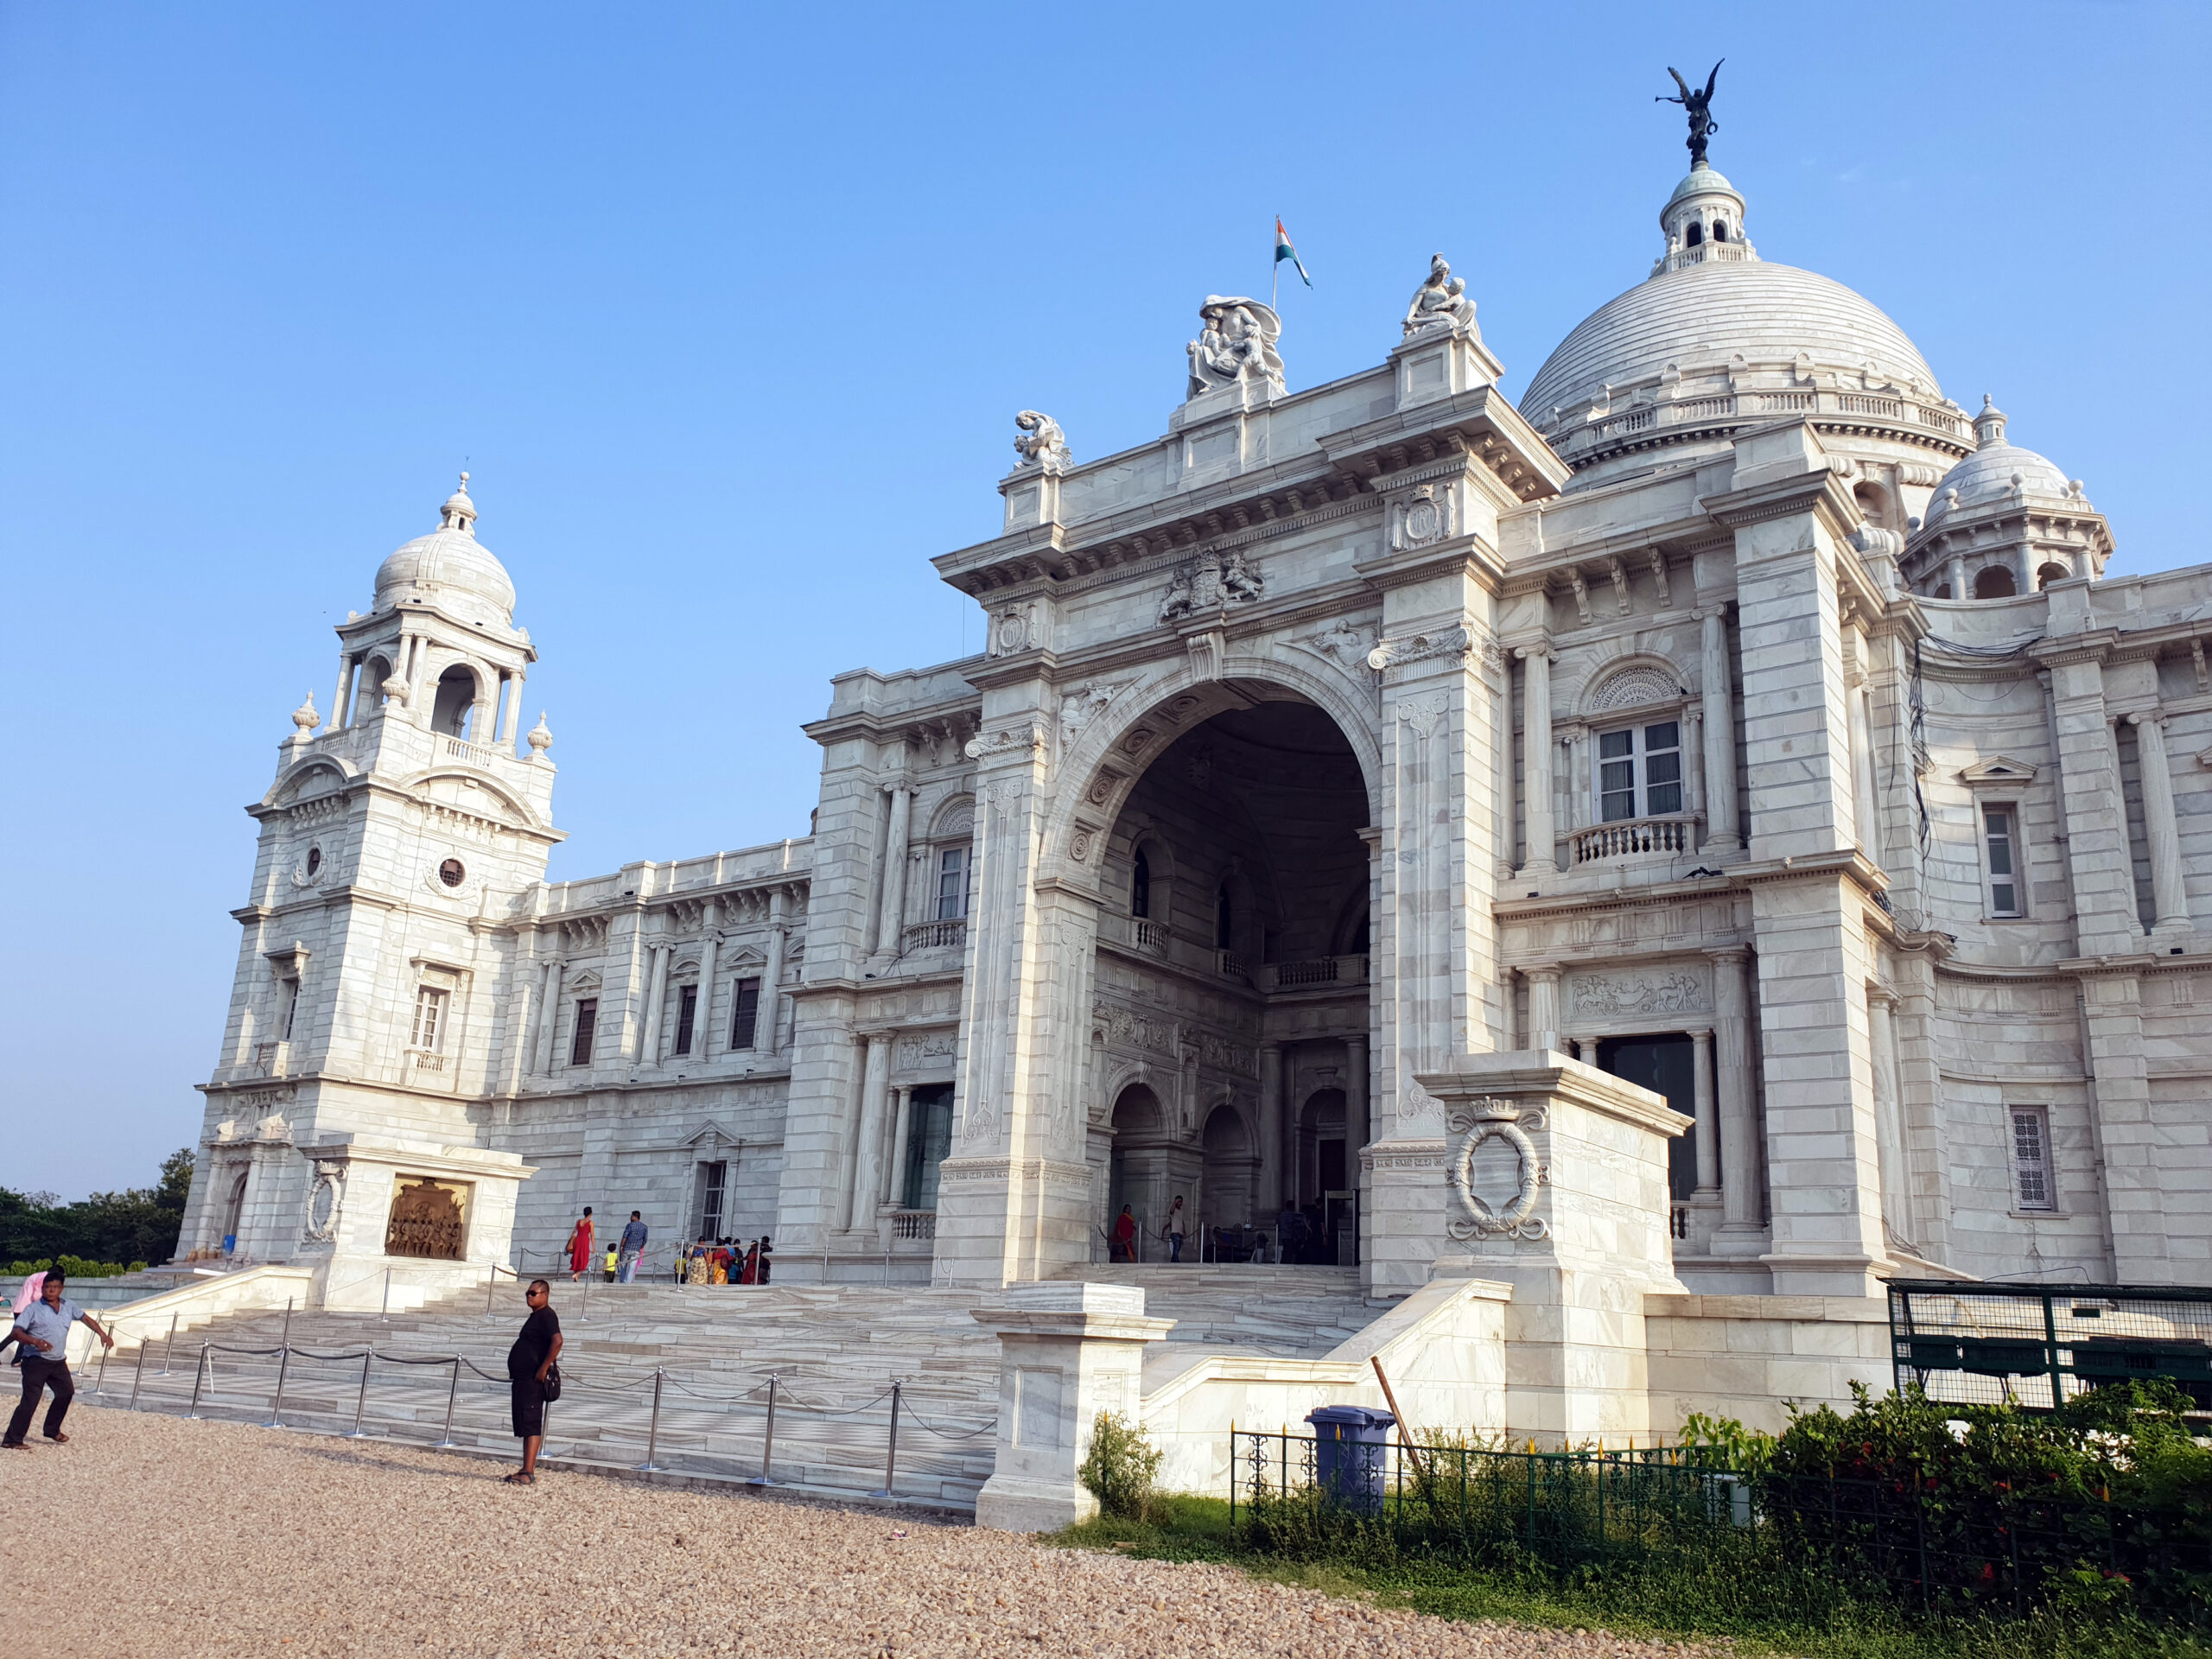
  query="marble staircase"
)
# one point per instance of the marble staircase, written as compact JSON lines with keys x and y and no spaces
{"x":834,"y":1350}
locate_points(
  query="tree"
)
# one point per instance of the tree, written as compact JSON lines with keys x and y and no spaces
{"x":137,"y":1224}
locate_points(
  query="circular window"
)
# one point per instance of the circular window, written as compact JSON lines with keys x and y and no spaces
{"x":315,"y":860}
{"x":451,"y":872}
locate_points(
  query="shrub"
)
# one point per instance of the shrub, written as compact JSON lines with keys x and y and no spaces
{"x":1121,"y":1468}
{"x":75,"y":1266}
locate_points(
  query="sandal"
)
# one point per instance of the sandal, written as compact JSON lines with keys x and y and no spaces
{"x":518,"y":1479}
{"x":58,"y":1439}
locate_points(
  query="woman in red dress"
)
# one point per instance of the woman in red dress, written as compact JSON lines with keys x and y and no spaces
{"x":751,"y":1275}
{"x":579,"y":1246}
{"x":1125,"y":1236}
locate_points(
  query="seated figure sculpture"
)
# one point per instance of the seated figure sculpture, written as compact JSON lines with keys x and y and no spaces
{"x":1236,"y":338}
{"x":1440,"y":302}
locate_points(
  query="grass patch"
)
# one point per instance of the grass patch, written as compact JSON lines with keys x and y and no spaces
{"x":1668,"y":1603}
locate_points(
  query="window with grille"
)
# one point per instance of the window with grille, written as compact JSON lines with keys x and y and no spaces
{"x":952,"y":883}
{"x":430,"y":1019}
{"x":587,"y":1025}
{"x":2001,"y":837}
{"x":687,"y":1016}
{"x":745,"y":1013}
{"x":2035,"y":1186}
{"x":713,"y":1179}
{"x":1640,"y":771}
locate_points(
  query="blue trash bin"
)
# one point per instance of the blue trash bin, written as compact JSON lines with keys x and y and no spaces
{"x":1350,"y":1455}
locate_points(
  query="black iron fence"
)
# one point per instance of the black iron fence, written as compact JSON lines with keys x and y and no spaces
{"x":1923,"y":1547}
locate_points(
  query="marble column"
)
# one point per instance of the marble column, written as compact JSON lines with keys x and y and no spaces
{"x":1357,"y":1131}
{"x":771,"y":978}
{"x":1958,"y":568}
{"x":548,"y":1018}
{"x":1739,"y":1129}
{"x":1506,"y":830}
{"x":891,"y":917}
{"x":511,"y":711}
{"x":902,"y":1116}
{"x":1723,"y":830}
{"x":1536,"y":762}
{"x":1271,"y":1183}
{"x":863,"y":1164}
{"x":2169,"y":896}
{"x":703,"y":1017}
{"x":656,"y":992}
{"x":1708,"y":1122}
{"x":1543,"y":1007}
{"x":340,"y":703}
{"x":1889,"y":1117}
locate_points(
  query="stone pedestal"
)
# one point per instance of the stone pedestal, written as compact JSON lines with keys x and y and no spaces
{"x":1554,"y":1181}
{"x":345,"y":1225}
{"x":1068,"y":1351}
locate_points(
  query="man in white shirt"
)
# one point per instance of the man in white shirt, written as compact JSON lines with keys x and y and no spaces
{"x":43,"y":1330}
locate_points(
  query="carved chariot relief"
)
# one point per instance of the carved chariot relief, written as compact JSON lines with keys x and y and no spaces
{"x":1481,"y":1122}
{"x":1632,"y":993}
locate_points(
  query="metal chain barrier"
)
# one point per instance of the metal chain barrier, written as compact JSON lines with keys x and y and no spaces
{"x":768,"y":1393}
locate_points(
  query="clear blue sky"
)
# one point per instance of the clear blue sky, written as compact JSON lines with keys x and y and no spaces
{"x":727,"y":310}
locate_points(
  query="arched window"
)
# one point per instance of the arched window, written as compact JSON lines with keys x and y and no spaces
{"x":2050,"y":573}
{"x":1720,"y":230}
{"x":456,"y":699}
{"x":1694,"y":235}
{"x":1140,"y":886}
{"x":1995,"y":581}
{"x":1222,"y":919}
{"x":1942,"y":591}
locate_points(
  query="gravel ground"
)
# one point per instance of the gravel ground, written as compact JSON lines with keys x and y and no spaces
{"x":153,"y":1534}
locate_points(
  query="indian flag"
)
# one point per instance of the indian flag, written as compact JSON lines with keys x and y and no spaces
{"x":1284,"y":251}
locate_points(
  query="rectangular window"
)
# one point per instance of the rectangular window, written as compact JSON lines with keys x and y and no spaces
{"x":952,"y":883}
{"x":430,"y":1019}
{"x":2035,"y":1186}
{"x":713,"y":1179}
{"x":2004,"y":861}
{"x":1640,"y":771}
{"x":745,"y":1013}
{"x":587,"y":1022}
{"x":687,"y":1015}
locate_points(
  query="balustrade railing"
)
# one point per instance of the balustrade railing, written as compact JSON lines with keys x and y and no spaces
{"x":1321,"y":970}
{"x":1149,"y":936}
{"x":1673,"y":834}
{"x":913,"y":1224}
{"x":936,"y":936}
{"x":1780,"y":401}
{"x":474,"y":754}
{"x":1229,"y":965}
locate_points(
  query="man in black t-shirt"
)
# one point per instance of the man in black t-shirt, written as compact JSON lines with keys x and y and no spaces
{"x":528,"y":1362}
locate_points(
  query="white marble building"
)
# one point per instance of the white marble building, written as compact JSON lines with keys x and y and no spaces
{"x":1737,"y":712}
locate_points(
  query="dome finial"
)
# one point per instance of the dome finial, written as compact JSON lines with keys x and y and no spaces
{"x":1698,"y":107}
{"x":1989,"y":425}
{"x":459,"y":511}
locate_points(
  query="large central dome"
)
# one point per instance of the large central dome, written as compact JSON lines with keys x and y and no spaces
{"x":1705,"y":314}
{"x":1717,"y":338}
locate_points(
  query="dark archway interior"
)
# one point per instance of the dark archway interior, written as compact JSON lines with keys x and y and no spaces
{"x":1248,"y":826}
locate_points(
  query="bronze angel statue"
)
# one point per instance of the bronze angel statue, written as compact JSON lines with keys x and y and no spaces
{"x":1698,"y":105}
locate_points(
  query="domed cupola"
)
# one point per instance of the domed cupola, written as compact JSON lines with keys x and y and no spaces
{"x":1703,"y":220}
{"x":1718,"y":340}
{"x":449,"y":569}
{"x":2003,"y":521}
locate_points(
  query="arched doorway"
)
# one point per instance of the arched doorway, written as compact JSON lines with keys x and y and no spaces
{"x":1236,"y":884}
{"x":1231,"y":1164}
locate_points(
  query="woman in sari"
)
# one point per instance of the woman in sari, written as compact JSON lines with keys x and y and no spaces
{"x":752,"y":1272}
{"x":1124,"y":1237}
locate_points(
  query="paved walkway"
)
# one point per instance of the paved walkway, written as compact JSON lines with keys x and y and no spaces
{"x":152,"y":1536}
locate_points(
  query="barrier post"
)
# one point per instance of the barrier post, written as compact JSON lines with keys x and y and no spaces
{"x":136,"y":1376}
{"x":652,"y":1433}
{"x":100,"y":1382}
{"x":383,"y":1312}
{"x":198,"y":1371}
{"x":286,"y":1339}
{"x":768,"y":1443}
{"x":361,"y":1400}
{"x":452,"y":1394}
{"x":171,"y":1348}
{"x":277,"y":1406}
{"x":891,"y":1449}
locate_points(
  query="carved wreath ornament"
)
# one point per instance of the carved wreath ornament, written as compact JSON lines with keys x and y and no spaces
{"x":1482,"y":1121}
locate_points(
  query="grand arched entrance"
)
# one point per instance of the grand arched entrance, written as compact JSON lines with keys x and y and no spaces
{"x":1232,"y":975}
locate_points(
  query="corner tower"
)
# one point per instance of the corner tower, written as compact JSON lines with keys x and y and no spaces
{"x":399,"y":840}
